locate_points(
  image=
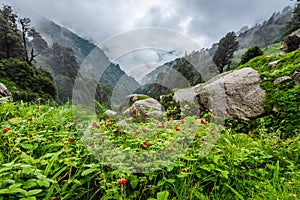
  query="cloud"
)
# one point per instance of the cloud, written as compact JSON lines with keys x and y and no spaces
{"x":204,"y":21}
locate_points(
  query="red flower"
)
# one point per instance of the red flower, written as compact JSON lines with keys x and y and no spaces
{"x":116,"y":130}
{"x":202,"y":139}
{"x":95,"y":125}
{"x":29,"y":135}
{"x":75,"y":121}
{"x":70,"y":139}
{"x":29,"y":119}
{"x":136,"y":132}
{"x":5,"y":130}
{"x":143,"y":146}
{"x":146,"y":142}
{"x":196,"y":135}
{"x":144,"y":130}
{"x":202,"y":121}
{"x":133,"y":111}
{"x":210,"y":115}
{"x":177,"y":128}
{"x":169,"y":119}
{"x":122,"y":182}
{"x":181,"y":121}
{"x":169,"y":149}
{"x":198,"y":111}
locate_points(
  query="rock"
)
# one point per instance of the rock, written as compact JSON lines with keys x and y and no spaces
{"x":290,"y":42}
{"x":141,"y":110}
{"x":187,"y":94}
{"x":134,"y":97}
{"x":4,"y":92}
{"x":272,"y":64}
{"x":296,"y":76}
{"x":110,"y":113}
{"x":236,"y":95}
{"x":282,"y":79}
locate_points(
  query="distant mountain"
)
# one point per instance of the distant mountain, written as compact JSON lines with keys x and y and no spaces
{"x":267,"y":33}
{"x":151,"y":77}
{"x":90,"y":60}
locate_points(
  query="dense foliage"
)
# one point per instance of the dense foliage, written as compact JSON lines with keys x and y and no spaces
{"x":42,"y":156}
{"x":283,"y":100}
{"x":252,"y":52}
{"x":26,"y":82}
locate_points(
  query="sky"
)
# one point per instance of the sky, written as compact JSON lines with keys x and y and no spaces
{"x":204,"y":21}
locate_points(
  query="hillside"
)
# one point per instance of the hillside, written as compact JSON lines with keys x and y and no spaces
{"x":84,"y":51}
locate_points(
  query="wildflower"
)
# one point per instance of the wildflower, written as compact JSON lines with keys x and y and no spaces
{"x":184,"y":170}
{"x":196,"y":135}
{"x":198,"y":111}
{"x":106,"y":124}
{"x":202,"y":139}
{"x":177,"y":128}
{"x":181,"y":121}
{"x":136,"y":132}
{"x":143,"y":145}
{"x":29,"y":119}
{"x":95,"y":125}
{"x":5,"y":130}
{"x":29,"y":135}
{"x":210,"y":115}
{"x":91,"y":145}
{"x":144,"y":130}
{"x":146,"y":142}
{"x":75,"y":121}
{"x":122,"y":182}
{"x":202,"y":121}
{"x":160,"y":125}
{"x":70,"y":139}
{"x":169,"y":119}
{"x":134,"y":111}
{"x":169,"y":149}
{"x":116,"y":130}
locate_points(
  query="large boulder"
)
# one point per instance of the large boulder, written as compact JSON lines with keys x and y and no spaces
{"x":141,"y":110}
{"x":4,"y":92}
{"x":290,"y":42}
{"x":237,"y":94}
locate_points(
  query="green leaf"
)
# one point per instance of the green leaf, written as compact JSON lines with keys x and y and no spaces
{"x":133,"y":181}
{"x":88,"y":171}
{"x":26,"y":146}
{"x":33,"y":192}
{"x":30,"y":184}
{"x":163,"y":195}
{"x":235,"y":192}
{"x":28,"y":198}
{"x":160,"y":183}
{"x":170,"y":168}
{"x":170,"y":180}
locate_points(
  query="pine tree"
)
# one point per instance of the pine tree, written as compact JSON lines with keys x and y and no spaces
{"x":226,"y":47}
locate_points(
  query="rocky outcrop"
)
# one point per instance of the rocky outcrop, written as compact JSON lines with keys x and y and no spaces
{"x":282,"y":79}
{"x":272,"y":64}
{"x":290,"y":43}
{"x":236,"y":95}
{"x":187,"y":94}
{"x":296,"y":76}
{"x":4,"y":92}
{"x":141,"y":110}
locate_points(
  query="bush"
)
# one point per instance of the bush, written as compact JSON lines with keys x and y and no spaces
{"x":252,"y":52}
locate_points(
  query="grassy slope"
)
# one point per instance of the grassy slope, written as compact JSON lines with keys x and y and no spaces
{"x":43,"y":157}
{"x":283,"y":100}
